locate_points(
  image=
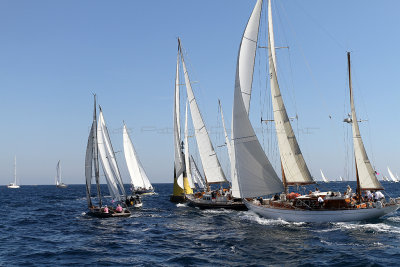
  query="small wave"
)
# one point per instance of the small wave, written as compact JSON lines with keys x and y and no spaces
{"x":378,"y":227}
{"x":217,"y":211}
{"x":180,"y":205}
{"x":394,"y":219}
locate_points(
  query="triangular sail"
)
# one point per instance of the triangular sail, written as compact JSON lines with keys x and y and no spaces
{"x":323,"y":177}
{"x":211,"y":166}
{"x":186,"y":146}
{"x":89,"y":165}
{"x":392,"y":176}
{"x":294,"y":166}
{"x":58,"y":178}
{"x":235,"y":184}
{"x":179,"y":161}
{"x":136,"y":171}
{"x":366,"y":173}
{"x":108,"y":161}
{"x":198,"y":179}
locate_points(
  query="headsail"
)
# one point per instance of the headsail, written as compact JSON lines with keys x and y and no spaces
{"x":135,"y":168}
{"x":108,"y":161}
{"x":294,"y":166}
{"x":366,"y":173}
{"x":198,"y":179}
{"x":211,"y":166}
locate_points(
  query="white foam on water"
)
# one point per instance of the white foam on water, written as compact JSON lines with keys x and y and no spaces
{"x":393,"y":219}
{"x":251,"y":216}
{"x":180,"y":205}
{"x":217,"y":211}
{"x":377,"y":227}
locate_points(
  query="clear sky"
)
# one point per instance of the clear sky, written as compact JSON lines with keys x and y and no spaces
{"x":55,"y":54}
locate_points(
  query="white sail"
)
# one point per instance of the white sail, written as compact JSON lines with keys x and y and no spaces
{"x":211,"y":166}
{"x":186,"y":146}
{"x":58,"y":178}
{"x":135,"y":168}
{"x":108,"y":161}
{"x":323,"y":177}
{"x":392,"y":176}
{"x":89,"y":164}
{"x":294,"y":166}
{"x":235,"y":184}
{"x":366,"y":173}
{"x":247,"y":55}
{"x":340,"y":179}
{"x":196,"y":175}
{"x":179,"y":166}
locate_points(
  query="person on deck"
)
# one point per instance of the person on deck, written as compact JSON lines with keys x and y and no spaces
{"x":369,"y":195}
{"x":119,"y":208}
{"x":320,"y":201}
{"x":349,"y":191}
{"x":106,"y":209}
{"x":379,"y":196}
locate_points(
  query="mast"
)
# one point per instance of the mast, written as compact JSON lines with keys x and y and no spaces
{"x":284,"y":179}
{"x":96,"y":153}
{"x":365,"y":174}
{"x":15,"y":170}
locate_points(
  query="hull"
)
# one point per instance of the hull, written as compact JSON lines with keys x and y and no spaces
{"x":321,"y":216}
{"x":100,"y":214}
{"x":177,"y":199}
{"x":13,"y":186}
{"x":61,"y":186}
{"x":144,"y":192}
{"x":211,"y":204}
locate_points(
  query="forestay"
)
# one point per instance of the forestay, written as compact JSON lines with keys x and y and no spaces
{"x":294,"y":166}
{"x":211,"y":166}
{"x":135,"y":168}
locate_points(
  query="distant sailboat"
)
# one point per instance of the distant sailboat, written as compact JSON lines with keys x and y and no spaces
{"x":323,"y":177}
{"x":14,"y":185}
{"x":139,"y":181}
{"x":257,"y":177}
{"x":59,"y":183}
{"x":392,"y":176}
{"x":92,"y":169}
{"x":340,"y":179}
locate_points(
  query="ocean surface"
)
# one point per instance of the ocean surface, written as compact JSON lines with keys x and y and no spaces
{"x":47,"y":226}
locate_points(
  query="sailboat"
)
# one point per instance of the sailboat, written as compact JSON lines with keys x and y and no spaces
{"x":323,"y":177}
{"x":92,"y":169}
{"x":340,"y":179}
{"x":59,"y":184}
{"x":14,"y":185}
{"x":213,"y":173}
{"x":392,"y":176}
{"x":140,"y":183}
{"x":181,"y":186}
{"x":257,"y":177}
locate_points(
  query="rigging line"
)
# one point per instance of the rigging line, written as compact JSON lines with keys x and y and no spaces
{"x":308,"y":66}
{"x":322,"y":28}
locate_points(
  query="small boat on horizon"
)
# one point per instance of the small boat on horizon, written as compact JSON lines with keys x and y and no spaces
{"x":14,"y":184}
{"x":59,"y":183}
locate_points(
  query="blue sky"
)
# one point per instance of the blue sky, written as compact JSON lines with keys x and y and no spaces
{"x":54,"y":54}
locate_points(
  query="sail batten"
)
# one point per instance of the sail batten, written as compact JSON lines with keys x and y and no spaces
{"x":294,"y":165}
{"x":211,"y":165}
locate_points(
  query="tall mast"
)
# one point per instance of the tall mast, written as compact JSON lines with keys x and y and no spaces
{"x":15,"y":170}
{"x":96,"y":153}
{"x":358,"y":190}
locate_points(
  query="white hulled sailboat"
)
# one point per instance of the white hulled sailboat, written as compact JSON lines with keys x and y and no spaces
{"x":257,"y":177}
{"x":14,"y":185}
{"x":394,"y":179}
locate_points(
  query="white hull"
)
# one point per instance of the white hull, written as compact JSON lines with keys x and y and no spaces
{"x":138,"y":205}
{"x":13,"y":186}
{"x":320,"y":216}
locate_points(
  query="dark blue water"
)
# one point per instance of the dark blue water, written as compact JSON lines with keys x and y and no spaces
{"x":44,"y":225}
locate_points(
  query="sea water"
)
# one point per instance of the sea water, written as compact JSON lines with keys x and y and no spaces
{"x":45,"y":225}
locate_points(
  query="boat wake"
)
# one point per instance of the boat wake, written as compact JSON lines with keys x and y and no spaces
{"x":375,"y":228}
{"x":218,"y":211}
{"x":251,"y":216}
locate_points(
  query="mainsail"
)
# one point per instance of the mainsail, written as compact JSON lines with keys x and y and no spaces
{"x":108,"y":161}
{"x":58,"y":177}
{"x":294,"y":167}
{"x":135,"y":168}
{"x":211,"y":166}
{"x":365,"y":172}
